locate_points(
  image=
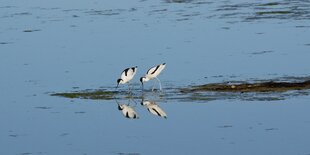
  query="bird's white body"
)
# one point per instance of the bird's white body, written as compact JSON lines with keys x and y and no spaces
{"x":153,"y":108}
{"x":128,"y":111}
{"x":127,"y":75}
{"x":153,"y":73}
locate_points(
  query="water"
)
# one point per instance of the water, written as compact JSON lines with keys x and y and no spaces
{"x":56,"y":46}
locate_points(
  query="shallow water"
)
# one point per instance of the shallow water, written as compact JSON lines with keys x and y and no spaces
{"x":59,"y":46}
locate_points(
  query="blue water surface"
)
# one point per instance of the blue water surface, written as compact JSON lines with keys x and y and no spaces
{"x":58,"y":46}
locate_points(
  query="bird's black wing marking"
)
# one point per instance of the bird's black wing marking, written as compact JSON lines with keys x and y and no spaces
{"x":156,"y":112}
{"x":155,"y":69}
{"x":127,"y":115}
{"x":133,"y":69}
{"x":148,"y":71}
{"x":126,"y":71}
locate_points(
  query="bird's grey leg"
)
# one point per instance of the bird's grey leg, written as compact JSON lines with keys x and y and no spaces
{"x":153,"y":86}
{"x":159,"y":83}
{"x":129,"y":89}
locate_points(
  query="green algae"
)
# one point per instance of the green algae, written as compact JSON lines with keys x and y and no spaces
{"x":93,"y":94}
{"x":270,"y":86}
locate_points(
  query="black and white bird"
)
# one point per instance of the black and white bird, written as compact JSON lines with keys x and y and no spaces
{"x":126,"y":76}
{"x":152,"y":73}
{"x":153,"y":108}
{"x":128,"y":111}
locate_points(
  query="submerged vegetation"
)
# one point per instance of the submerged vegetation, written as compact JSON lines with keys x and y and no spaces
{"x":259,"y":90}
{"x":88,"y":94}
{"x":269,"y":86}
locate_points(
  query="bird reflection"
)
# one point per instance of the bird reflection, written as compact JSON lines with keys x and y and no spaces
{"x":153,"y":108}
{"x":127,"y":110}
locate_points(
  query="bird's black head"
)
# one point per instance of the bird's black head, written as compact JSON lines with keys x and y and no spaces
{"x":119,"y":107}
{"x":142,"y":79}
{"x":119,"y":80}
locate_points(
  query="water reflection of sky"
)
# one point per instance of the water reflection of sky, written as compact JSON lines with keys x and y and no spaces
{"x":56,"y":46}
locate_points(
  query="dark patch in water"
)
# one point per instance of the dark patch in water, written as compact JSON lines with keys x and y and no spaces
{"x":31,"y":30}
{"x":202,"y":2}
{"x":21,"y":14}
{"x":132,"y":9}
{"x":217,"y":76}
{"x":271,"y":129}
{"x":178,"y":1}
{"x":225,"y":126}
{"x":302,"y":26}
{"x":274,"y":12}
{"x":262,"y":52}
{"x":262,"y":98}
{"x":109,"y":12}
{"x":182,"y":19}
{"x":4,"y":43}
{"x":53,"y":8}
{"x":64,"y":134}
{"x":191,"y":14}
{"x":80,"y":112}
{"x":160,"y":10}
{"x":234,"y":7}
{"x":6,"y":7}
{"x":43,"y":108}
{"x":13,"y":135}
{"x":72,"y":10}
{"x":269,"y":4}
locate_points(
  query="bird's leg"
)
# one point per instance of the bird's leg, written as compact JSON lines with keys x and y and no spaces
{"x":116,"y":87}
{"x":153,"y":86}
{"x":159,"y":83}
{"x":129,"y":89}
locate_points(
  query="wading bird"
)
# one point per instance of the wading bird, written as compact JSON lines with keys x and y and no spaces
{"x":153,"y":73}
{"x":126,"y":76}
